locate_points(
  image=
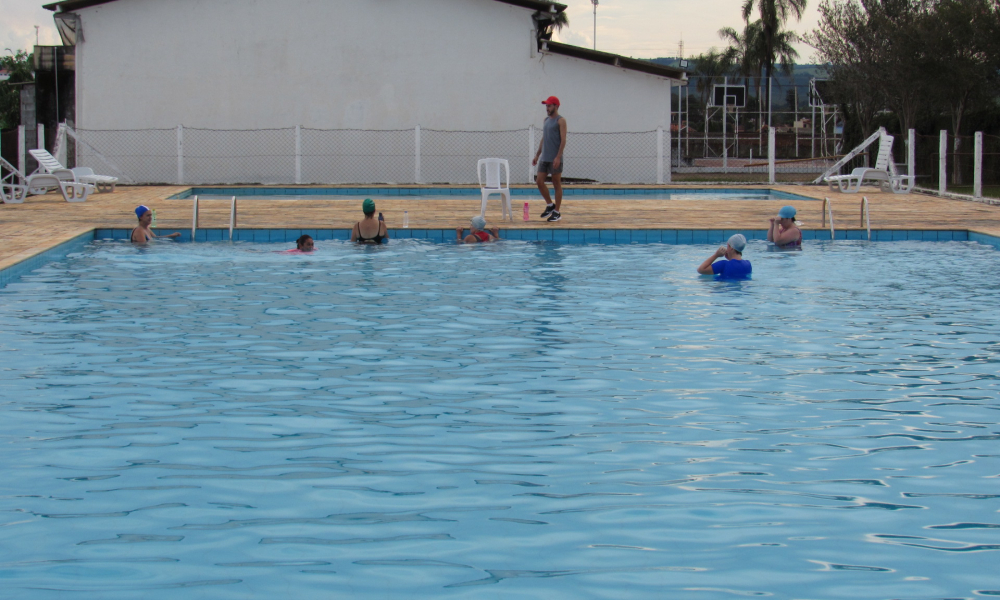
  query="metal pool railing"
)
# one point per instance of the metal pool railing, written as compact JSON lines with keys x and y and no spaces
{"x":232,"y":217}
{"x":865,"y":216}
{"x":828,"y":210}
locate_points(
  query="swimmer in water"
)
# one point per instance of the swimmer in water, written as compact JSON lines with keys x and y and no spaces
{"x":142,"y":233}
{"x":303,"y":245}
{"x":783,"y":230}
{"x":734,"y":267}
{"x":478,"y":232}
{"x":369,"y":230}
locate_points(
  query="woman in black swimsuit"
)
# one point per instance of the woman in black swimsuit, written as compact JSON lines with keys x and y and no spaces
{"x":369,"y":230}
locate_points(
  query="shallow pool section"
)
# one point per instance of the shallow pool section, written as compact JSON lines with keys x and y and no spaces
{"x":522,"y":419}
{"x":423,"y":193}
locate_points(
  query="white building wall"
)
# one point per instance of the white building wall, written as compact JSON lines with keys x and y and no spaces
{"x":333,"y":64}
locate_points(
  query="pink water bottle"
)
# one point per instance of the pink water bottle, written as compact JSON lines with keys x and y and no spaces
{"x":525,"y":211}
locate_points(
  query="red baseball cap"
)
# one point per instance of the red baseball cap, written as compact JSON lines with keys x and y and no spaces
{"x":551,"y":100}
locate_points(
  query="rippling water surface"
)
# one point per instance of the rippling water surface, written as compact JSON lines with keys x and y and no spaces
{"x":527,"y":420}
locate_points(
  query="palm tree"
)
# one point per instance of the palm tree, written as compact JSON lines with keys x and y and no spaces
{"x":746,"y":54}
{"x":710,"y":67}
{"x":550,"y":20}
{"x":745,"y":50}
{"x":773,"y":16}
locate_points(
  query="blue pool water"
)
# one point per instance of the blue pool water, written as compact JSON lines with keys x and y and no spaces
{"x":525,"y":419}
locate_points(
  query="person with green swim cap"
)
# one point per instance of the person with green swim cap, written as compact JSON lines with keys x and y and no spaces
{"x":784,"y":230}
{"x":369,"y":230}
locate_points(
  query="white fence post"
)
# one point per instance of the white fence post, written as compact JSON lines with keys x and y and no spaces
{"x":770,"y":152}
{"x":911,"y":153}
{"x":40,"y":140}
{"x":659,"y":155}
{"x":977,"y":169}
{"x":531,"y":153}
{"x":667,"y":150}
{"x":298,"y":154}
{"x":180,"y":155}
{"x":416,"y":164}
{"x":20,"y":148}
{"x":943,"y":163}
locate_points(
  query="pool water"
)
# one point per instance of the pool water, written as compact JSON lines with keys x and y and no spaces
{"x":523,"y":419}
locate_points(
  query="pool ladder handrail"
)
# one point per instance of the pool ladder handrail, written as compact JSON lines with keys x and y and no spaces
{"x":828,"y":210}
{"x":232,"y":217}
{"x":866,"y":220}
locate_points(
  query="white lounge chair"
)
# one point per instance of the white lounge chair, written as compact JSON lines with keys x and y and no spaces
{"x":12,"y":188}
{"x":50,"y":164}
{"x":15,"y":185}
{"x":493,"y":185}
{"x":887,"y":181}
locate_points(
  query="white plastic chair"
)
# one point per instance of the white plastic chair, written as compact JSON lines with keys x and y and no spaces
{"x":50,"y":164}
{"x":493,"y":185}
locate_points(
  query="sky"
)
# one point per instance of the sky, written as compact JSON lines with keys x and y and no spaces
{"x":636,"y":28}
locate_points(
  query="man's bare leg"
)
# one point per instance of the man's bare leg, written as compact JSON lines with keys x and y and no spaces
{"x":544,"y":189}
{"x":557,"y":184}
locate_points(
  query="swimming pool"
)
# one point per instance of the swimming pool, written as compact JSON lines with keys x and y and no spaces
{"x":525,"y":419}
{"x":423,"y":193}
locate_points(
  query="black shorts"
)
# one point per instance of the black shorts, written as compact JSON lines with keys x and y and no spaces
{"x":546,"y":167}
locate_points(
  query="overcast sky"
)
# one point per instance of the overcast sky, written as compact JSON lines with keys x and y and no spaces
{"x":637,"y":28}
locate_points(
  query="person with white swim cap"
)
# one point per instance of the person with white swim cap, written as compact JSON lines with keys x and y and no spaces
{"x":734,"y":267}
{"x":478,"y":233}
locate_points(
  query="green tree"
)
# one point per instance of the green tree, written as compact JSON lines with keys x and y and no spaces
{"x":874,"y":50}
{"x":19,"y":65}
{"x":959,"y":36}
{"x":710,"y":68}
{"x":852,"y":51}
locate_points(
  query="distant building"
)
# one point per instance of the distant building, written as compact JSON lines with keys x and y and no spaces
{"x":359,"y":64}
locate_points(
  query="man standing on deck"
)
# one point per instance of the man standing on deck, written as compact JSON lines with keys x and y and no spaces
{"x":551,"y":152}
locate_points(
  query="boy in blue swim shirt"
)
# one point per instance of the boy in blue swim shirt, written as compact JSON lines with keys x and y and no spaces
{"x":734,"y":267}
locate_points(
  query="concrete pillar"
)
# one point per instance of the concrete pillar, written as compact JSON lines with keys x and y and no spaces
{"x":180,"y":155}
{"x":770,"y":155}
{"x":416,"y":163}
{"x":659,"y":155}
{"x":977,"y":170}
{"x":298,"y":154}
{"x":943,"y":163}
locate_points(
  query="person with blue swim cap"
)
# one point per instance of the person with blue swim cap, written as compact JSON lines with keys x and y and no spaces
{"x":734,"y":267}
{"x":784,"y":230}
{"x":142,"y":233}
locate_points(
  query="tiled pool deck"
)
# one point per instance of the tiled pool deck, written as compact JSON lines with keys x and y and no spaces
{"x":33,"y":233}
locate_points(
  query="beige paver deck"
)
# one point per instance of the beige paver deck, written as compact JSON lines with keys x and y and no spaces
{"x":45,"y":221}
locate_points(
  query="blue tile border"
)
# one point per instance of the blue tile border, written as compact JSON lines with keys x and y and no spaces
{"x":256,"y":190}
{"x":573,"y":236}
{"x":14,"y":272}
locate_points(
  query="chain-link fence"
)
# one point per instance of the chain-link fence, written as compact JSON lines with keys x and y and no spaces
{"x":957,"y":173}
{"x":721,"y":126}
{"x":298,"y":155}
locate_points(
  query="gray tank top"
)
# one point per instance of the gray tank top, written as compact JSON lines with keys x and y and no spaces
{"x":551,"y":139}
